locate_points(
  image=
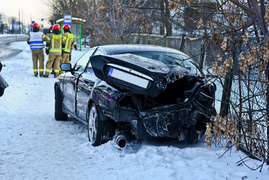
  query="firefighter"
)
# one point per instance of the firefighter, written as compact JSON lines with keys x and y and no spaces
{"x":50,"y":29}
{"x":68,"y":42}
{"x":35,"y":40}
{"x":47,"y":39}
{"x":47,"y":36}
{"x":54,"y":50}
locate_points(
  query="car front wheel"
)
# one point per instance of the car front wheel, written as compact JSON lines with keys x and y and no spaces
{"x":59,"y":114}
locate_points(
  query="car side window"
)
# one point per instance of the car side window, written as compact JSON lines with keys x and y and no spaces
{"x":83,"y":60}
{"x":89,"y":67}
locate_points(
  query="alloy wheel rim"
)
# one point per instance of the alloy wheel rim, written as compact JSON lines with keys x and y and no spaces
{"x":92,"y":124}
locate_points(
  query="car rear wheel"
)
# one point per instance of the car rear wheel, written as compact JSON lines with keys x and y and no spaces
{"x":95,"y":126}
{"x":59,"y":114}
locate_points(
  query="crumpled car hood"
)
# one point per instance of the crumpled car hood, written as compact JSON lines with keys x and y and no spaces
{"x":135,"y":73}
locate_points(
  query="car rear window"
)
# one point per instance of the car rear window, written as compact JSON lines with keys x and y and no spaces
{"x":173,"y":59}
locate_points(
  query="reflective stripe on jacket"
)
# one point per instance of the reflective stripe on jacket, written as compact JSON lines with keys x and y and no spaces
{"x":68,"y":41}
{"x":36,"y":40}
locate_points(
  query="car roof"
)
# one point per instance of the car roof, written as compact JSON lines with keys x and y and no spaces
{"x":125,"y":48}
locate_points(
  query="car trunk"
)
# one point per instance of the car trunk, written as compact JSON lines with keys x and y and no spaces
{"x":184,"y":104}
{"x":169,"y":100}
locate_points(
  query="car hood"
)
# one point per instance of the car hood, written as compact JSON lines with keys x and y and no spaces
{"x":135,"y":73}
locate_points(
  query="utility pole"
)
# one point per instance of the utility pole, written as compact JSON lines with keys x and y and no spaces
{"x":30,"y":25}
{"x":22,"y":21}
{"x":19,"y":22}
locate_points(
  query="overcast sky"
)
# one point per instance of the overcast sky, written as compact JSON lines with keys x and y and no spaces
{"x":29,"y":9}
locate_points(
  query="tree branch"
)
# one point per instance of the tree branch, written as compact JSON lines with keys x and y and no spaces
{"x":245,"y":8}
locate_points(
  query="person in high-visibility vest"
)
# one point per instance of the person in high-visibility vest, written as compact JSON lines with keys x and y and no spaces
{"x":35,"y":40}
{"x":47,"y":47}
{"x":68,"y":42}
{"x":54,"y":50}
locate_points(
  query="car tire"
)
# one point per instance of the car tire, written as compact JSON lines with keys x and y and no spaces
{"x":59,"y":114}
{"x":100,"y":128}
{"x":95,"y":126}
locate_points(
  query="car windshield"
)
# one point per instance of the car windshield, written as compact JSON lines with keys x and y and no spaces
{"x":173,"y":59}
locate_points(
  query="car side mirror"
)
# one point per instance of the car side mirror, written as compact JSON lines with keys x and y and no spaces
{"x":66,"y":67}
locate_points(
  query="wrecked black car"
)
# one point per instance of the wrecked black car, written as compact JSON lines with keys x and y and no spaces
{"x":135,"y":91}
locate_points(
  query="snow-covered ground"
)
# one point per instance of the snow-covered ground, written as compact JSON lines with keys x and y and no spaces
{"x":35,"y":146}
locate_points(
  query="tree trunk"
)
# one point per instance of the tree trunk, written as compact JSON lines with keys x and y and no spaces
{"x":182,"y":42}
{"x":162,"y":18}
{"x":202,"y":56}
{"x":267,"y":110}
{"x":168,"y":24}
{"x":226,"y":94}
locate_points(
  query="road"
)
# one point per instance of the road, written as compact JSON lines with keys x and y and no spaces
{"x":5,"y":51}
{"x":6,"y":39}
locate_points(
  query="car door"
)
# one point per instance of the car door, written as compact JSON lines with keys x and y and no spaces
{"x":85,"y":85}
{"x":71,"y":81}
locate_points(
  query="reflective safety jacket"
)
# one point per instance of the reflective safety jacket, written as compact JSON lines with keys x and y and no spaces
{"x":35,"y":39}
{"x":46,"y":38}
{"x":54,"y":44}
{"x":68,"y":42}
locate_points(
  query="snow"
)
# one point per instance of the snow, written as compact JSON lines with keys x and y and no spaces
{"x":33,"y":145}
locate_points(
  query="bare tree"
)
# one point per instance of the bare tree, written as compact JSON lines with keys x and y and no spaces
{"x":236,"y":35}
{"x":113,"y":21}
{"x":77,"y":8}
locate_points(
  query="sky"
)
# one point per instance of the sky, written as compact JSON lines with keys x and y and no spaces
{"x":29,"y":10}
